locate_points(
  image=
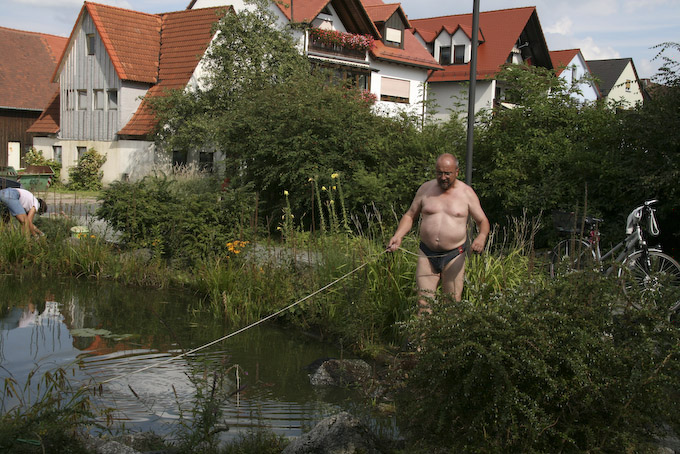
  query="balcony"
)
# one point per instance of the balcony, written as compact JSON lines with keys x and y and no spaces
{"x":338,"y":44}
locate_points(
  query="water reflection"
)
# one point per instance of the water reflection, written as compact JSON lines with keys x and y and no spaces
{"x":104,"y":332}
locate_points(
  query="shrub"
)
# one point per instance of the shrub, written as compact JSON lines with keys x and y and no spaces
{"x":87,"y":174}
{"x":35,"y":157}
{"x":545,"y":371}
{"x":187,"y":220}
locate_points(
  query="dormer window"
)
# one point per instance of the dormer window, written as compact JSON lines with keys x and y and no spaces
{"x":393,"y":31}
{"x":393,"y":37}
{"x":458,"y":54}
{"x":445,"y":55}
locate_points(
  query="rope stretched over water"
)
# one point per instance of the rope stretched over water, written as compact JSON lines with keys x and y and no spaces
{"x":245,"y":328}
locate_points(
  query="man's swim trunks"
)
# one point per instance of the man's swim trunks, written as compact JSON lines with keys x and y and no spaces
{"x":439,"y":259}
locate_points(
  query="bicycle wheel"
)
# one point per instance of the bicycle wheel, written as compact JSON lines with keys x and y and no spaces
{"x":661,"y":271}
{"x":570,"y":255}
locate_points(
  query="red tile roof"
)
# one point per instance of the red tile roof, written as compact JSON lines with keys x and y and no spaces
{"x":27,"y":60}
{"x":359,"y":16}
{"x":501,"y":29}
{"x":380,"y":13}
{"x":561,"y":58}
{"x":48,"y":121}
{"x":131,"y":38}
{"x":185,"y":37}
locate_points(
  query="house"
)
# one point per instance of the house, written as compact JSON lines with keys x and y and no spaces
{"x":570,"y":65}
{"x":505,"y":36}
{"x":27,"y":61}
{"x":112,"y":59}
{"x":394,"y":67}
{"x":618,"y":81}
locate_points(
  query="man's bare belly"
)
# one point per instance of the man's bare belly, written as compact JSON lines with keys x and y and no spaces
{"x":443,"y":232}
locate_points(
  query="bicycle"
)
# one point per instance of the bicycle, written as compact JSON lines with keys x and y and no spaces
{"x":636,"y":264}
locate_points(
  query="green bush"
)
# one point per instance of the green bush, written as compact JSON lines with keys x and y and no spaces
{"x":35,"y":158}
{"x":188,"y":220}
{"x":545,"y":370}
{"x":87,"y":174}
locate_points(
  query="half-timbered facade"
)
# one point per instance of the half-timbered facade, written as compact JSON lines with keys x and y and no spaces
{"x":114,"y":57}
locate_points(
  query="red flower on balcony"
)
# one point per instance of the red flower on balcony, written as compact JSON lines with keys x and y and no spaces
{"x":337,"y":38}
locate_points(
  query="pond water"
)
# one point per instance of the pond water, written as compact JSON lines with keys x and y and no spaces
{"x":102,"y":331}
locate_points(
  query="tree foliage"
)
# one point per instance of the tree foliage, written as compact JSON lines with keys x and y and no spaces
{"x":282,"y":122}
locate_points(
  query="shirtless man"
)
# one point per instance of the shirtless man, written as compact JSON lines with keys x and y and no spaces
{"x":445,"y":204}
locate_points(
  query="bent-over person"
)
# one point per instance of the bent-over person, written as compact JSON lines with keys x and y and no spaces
{"x":23,"y":205}
{"x":445,"y":204}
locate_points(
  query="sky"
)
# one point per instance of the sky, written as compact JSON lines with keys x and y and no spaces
{"x":602,"y":29}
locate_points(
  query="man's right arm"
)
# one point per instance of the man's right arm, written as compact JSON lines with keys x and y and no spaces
{"x":406,"y":222}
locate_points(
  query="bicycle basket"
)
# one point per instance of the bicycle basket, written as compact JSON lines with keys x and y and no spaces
{"x":567,"y":222}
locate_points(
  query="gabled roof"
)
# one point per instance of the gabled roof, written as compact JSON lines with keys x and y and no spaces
{"x":131,"y":39}
{"x":48,"y":121}
{"x":185,"y":37}
{"x":27,"y":60}
{"x":351,"y":12}
{"x":502,"y":29}
{"x":381,"y":13}
{"x":607,"y":72}
{"x":180,"y":40}
{"x":562,"y":58}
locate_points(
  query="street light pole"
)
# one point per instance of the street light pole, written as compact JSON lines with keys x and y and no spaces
{"x":472,"y":92}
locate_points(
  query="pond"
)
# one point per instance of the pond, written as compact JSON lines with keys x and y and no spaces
{"x":102,"y":331}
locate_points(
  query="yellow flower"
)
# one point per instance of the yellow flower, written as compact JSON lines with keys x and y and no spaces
{"x":334,"y":188}
{"x":334,"y":176}
{"x":323,"y":188}
{"x":310,"y":179}
{"x":285,"y":192}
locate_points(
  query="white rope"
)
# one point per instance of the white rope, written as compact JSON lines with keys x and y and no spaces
{"x":239,"y":331}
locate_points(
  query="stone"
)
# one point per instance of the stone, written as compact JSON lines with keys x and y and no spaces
{"x":337,"y":434}
{"x":341,"y":373}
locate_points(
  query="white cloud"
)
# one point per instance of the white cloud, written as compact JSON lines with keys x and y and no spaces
{"x":592,"y":51}
{"x":561,"y":27}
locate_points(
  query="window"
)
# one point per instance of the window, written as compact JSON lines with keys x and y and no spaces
{"x":628,"y":85}
{"x":393,"y":36}
{"x":82,"y":99}
{"x":98,"y":96}
{"x":90,"y":43}
{"x":179,"y":158}
{"x":81,"y":151}
{"x":459,"y":54}
{"x":445,"y":55}
{"x":574,"y":74}
{"x":56,"y":153}
{"x":113,"y":99}
{"x":395,"y":90}
{"x":68,"y":99}
{"x":205,"y":161}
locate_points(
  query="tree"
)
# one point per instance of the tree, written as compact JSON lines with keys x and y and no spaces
{"x":541,"y":154}
{"x":281,"y":122}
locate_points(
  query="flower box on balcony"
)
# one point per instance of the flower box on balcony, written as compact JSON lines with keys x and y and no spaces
{"x":339,"y":43}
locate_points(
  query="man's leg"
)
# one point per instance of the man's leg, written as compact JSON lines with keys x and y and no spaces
{"x":453,"y":277}
{"x":426,"y":281}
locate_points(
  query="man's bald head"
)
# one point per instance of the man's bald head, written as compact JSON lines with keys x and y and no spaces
{"x":447,"y":158}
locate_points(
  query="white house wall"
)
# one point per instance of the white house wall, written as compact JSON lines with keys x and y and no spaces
{"x":619,"y":93}
{"x":588,"y":91}
{"x":453,"y":96}
{"x":416,"y":78}
{"x":124,"y":158}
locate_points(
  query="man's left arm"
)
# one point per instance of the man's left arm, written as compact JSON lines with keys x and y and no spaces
{"x":481,"y":220}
